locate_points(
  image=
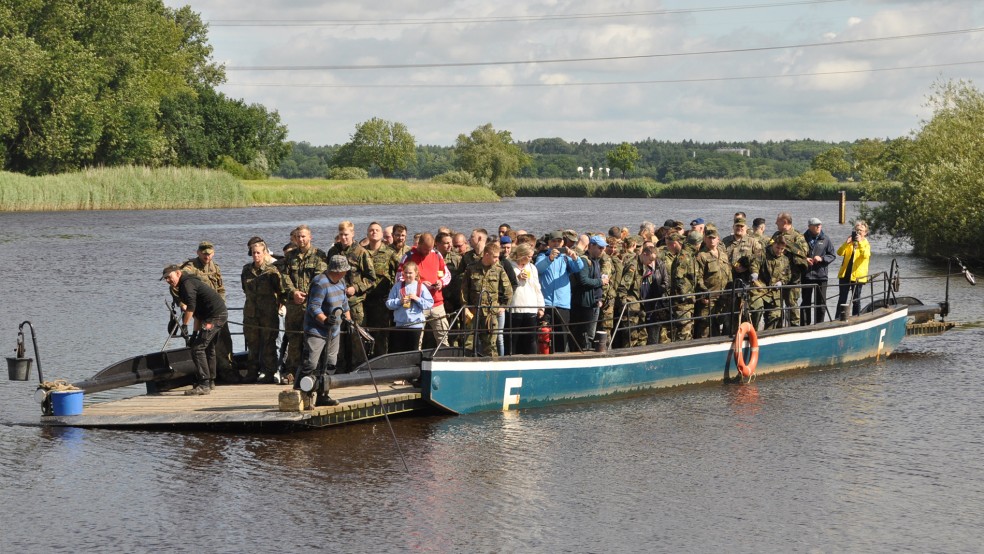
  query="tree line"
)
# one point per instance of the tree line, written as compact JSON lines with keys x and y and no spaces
{"x":551,"y":158}
{"x":121,"y":82}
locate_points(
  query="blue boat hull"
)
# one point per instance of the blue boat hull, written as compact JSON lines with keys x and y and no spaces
{"x":466,"y":385}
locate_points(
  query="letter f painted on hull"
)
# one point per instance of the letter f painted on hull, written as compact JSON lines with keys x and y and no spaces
{"x":507,"y":399}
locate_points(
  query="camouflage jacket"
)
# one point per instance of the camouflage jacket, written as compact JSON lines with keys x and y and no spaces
{"x":210,"y":274}
{"x":492,"y":280}
{"x":384,"y":263}
{"x":796,"y":251}
{"x":263,"y":288}
{"x":746,"y":252}
{"x":362,"y":275}
{"x":608,"y":268}
{"x":300,"y":268}
{"x":713,"y":270}
{"x":683,"y":275}
{"x":774,"y":270}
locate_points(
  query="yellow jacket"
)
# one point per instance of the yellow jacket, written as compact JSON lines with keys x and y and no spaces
{"x":859,"y":273}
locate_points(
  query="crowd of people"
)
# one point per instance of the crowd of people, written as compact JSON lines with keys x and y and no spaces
{"x":512,"y":292}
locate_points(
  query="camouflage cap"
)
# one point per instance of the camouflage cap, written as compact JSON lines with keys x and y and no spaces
{"x":740,"y":221}
{"x":338,"y":264}
{"x":675,"y":237}
{"x":711,"y":232}
{"x":694,"y":238}
{"x":570,"y":234}
{"x":778,"y":239}
{"x":669,"y":223}
{"x":554,"y":235}
{"x":206,"y":247}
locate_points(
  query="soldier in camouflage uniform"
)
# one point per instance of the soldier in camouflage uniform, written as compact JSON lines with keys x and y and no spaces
{"x":628,"y":257}
{"x":774,"y":272}
{"x":301,"y":266}
{"x":796,"y":251}
{"x":713,"y":275}
{"x":261,"y":320}
{"x":745,"y":253}
{"x":378,"y":317}
{"x":485,"y":283}
{"x":611,"y":265}
{"x":360,"y":278}
{"x":647,"y":279}
{"x":683,"y":280}
{"x":204,"y":267}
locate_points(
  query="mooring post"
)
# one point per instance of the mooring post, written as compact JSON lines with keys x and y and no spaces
{"x":842,"y":204}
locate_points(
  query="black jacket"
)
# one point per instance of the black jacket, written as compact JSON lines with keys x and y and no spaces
{"x":200,"y":298}
{"x":819,"y":246}
{"x":586,"y":287}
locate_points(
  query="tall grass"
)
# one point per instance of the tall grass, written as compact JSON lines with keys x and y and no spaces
{"x":122,"y":188}
{"x":361,"y":191}
{"x":746,"y":189}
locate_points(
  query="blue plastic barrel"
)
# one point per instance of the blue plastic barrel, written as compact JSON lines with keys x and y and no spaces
{"x":66,"y":402}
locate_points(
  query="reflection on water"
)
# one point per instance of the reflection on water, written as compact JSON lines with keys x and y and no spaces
{"x":872,"y":456}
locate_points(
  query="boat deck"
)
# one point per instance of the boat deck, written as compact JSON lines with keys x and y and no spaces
{"x":241,"y":407}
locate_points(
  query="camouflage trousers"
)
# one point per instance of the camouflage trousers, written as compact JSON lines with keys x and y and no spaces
{"x":790,"y":303}
{"x":683,"y":330}
{"x":261,"y":332}
{"x":482,"y":327}
{"x":294,"y":335}
{"x":772,"y":304}
{"x":713,"y":317}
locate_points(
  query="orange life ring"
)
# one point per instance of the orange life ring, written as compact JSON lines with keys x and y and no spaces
{"x":747,"y":369}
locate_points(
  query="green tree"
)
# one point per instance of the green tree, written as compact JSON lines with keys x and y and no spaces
{"x":834,"y":161}
{"x":939,"y":205}
{"x":381,"y":144}
{"x":490,"y":155}
{"x":623,"y":157}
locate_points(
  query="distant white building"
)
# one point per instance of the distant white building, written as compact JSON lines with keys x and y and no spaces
{"x":739,"y":151}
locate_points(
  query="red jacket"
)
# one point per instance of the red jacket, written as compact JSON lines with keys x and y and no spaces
{"x":432,"y":269}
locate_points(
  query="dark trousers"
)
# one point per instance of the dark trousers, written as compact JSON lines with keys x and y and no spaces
{"x":560,"y":319}
{"x":584,"y":323}
{"x":203,"y":350}
{"x":405,"y":339}
{"x":522,"y":333}
{"x":847,"y":287}
{"x":813,"y":295}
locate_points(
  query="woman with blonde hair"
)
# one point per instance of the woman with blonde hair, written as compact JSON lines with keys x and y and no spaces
{"x":854,"y":268}
{"x":261,"y":312}
{"x":526,"y":305}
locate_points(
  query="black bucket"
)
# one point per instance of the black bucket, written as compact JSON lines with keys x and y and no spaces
{"x":19,"y":369}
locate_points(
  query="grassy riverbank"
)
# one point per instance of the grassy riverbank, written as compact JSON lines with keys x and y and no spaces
{"x":121,"y":188}
{"x":141,"y":188}
{"x":745,"y":189}
{"x":281,"y":192}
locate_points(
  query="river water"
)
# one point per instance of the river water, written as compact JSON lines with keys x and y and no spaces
{"x":867,"y":457}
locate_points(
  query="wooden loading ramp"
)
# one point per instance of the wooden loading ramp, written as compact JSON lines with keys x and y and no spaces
{"x":241,"y":407}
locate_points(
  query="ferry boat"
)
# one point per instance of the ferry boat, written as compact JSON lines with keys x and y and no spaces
{"x":460,"y":381}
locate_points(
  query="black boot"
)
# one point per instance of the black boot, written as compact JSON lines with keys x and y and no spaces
{"x":200,"y":389}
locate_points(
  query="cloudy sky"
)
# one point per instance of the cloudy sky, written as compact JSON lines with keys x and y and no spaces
{"x":608,"y":71}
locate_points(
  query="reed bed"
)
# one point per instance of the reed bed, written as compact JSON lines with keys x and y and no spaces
{"x":122,"y":188}
{"x":745,"y":189}
{"x":315,"y":192}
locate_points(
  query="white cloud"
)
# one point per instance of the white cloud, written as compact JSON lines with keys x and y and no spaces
{"x":836,"y":106}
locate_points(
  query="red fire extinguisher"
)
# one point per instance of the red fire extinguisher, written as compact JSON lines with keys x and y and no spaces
{"x":543,"y":339}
